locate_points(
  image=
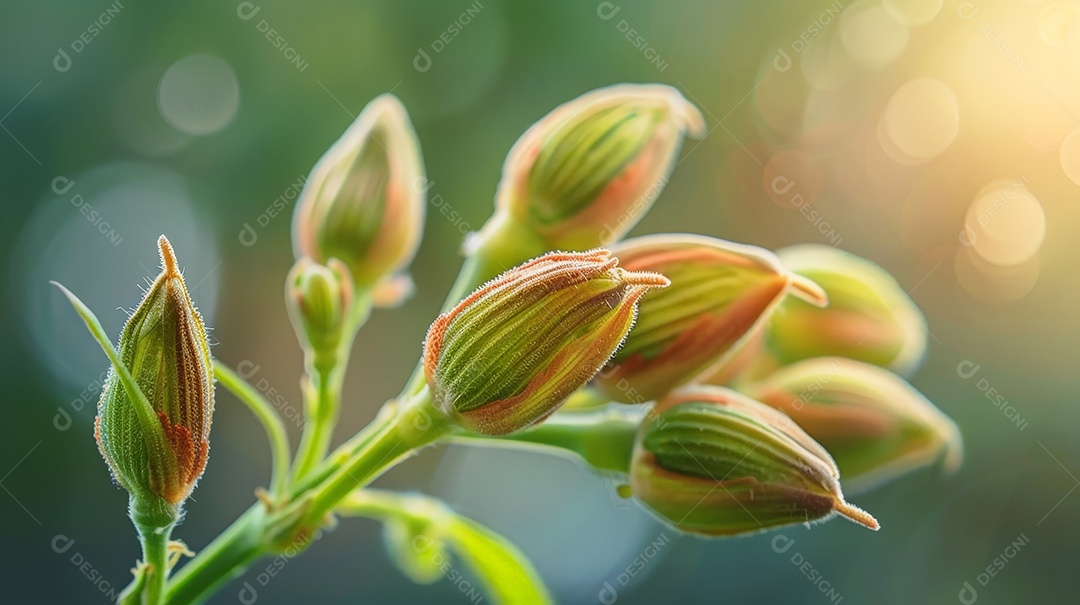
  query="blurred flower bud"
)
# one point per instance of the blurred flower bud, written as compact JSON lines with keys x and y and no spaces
{"x":875,"y":425}
{"x":869,"y":318}
{"x":510,"y":353}
{"x":319,"y":300}
{"x":710,"y":461}
{"x":164,"y":346}
{"x":588,"y":171}
{"x":360,"y":204}
{"x":720,"y":291}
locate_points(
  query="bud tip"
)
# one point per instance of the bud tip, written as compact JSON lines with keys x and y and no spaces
{"x":804,"y":288}
{"x":168,"y":259}
{"x":856,"y":514}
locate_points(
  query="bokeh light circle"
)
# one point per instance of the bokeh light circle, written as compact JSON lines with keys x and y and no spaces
{"x":199,"y":95}
{"x":922,"y":118}
{"x":1005,"y":224}
{"x":872,"y":35}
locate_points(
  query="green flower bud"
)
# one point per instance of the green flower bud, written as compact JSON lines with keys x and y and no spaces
{"x":869,"y":318}
{"x":588,"y":171}
{"x":510,"y":353}
{"x":710,"y":461}
{"x":319,"y":300}
{"x":875,"y":425}
{"x":720,"y":292}
{"x":164,"y":347}
{"x":361,"y":203}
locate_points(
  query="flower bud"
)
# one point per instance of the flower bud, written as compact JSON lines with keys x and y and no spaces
{"x":719,"y":293}
{"x":711,"y":461}
{"x":875,"y":425}
{"x":510,"y":353}
{"x":319,"y":300}
{"x":588,"y":171}
{"x":360,"y":204}
{"x":164,"y":347}
{"x":869,"y":318}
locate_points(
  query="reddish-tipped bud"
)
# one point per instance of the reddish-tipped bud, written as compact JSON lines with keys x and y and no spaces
{"x":360,"y":204}
{"x":710,"y":461}
{"x":869,"y":318}
{"x":720,"y":292}
{"x":164,"y":347}
{"x":875,"y":425}
{"x":510,"y":353}
{"x":588,"y":171}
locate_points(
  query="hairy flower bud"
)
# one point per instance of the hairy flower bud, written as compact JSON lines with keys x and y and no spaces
{"x":510,"y":353}
{"x":720,"y":291}
{"x":869,"y":318}
{"x":875,"y":425}
{"x":588,"y":171}
{"x":164,"y":347}
{"x":319,"y":300}
{"x":361,"y":203}
{"x":710,"y":461}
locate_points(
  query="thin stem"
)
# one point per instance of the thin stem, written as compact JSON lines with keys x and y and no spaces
{"x":324,"y":376}
{"x":155,"y":544}
{"x":268,"y":416}
{"x":603,"y":438}
{"x":222,"y":560}
{"x":415,"y":424}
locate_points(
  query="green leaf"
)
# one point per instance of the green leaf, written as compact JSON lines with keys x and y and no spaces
{"x":148,"y":421}
{"x":432,"y":527}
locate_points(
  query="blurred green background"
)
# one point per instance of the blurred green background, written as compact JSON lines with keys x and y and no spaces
{"x":127,"y":120}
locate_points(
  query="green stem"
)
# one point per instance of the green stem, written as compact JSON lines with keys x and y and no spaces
{"x":325,"y":376}
{"x":415,"y":424}
{"x":275,"y":430}
{"x":227,"y":557}
{"x":603,"y":438}
{"x":150,"y":589}
{"x":389,"y":439}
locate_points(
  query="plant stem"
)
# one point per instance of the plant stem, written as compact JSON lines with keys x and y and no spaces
{"x":155,"y":543}
{"x":415,"y":424}
{"x":389,"y":439}
{"x":275,"y":430}
{"x":603,"y":438}
{"x":324,"y":376}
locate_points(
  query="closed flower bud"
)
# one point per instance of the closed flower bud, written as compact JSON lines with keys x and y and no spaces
{"x":869,"y":318}
{"x":319,"y":300}
{"x":875,"y":425}
{"x":360,"y":204}
{"x":164,"y":347}
{"x":710,"y":461}
{"x":510,"y":353}
{"x":588,"y":171}
{"x":720,"y":291}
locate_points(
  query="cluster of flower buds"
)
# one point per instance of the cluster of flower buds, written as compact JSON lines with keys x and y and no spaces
{"x":164,"y":347}
{"x":509,"y":354}
{"x":875,"y":425}
{"x":361,"y":204}
{"x":720,"y":292}
{"x":710,"y":461}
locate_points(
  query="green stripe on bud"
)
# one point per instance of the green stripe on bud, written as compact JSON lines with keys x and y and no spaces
{"x":164,"y":347}
{"x":510,"y":353}
{"x":720,"y":292}
{"x":869,"y":318}
{"x":588,"y":171}
{"x":364,"y":202}
{"x":710,"y":461}
{"x":875,"y":425}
